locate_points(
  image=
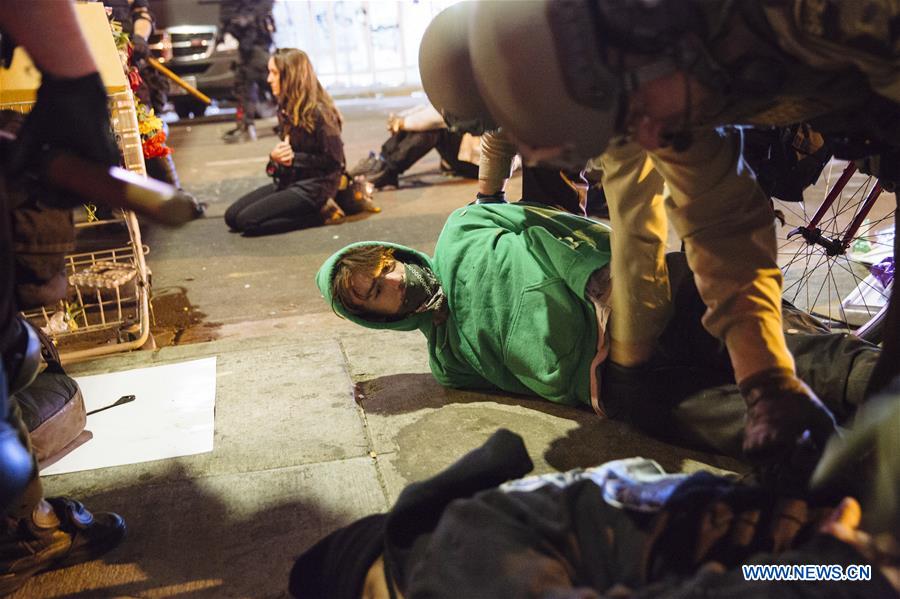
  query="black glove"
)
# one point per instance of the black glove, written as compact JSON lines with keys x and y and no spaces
{"x":70,"y":115}
{"x":643,"y":395}
{"x":139,"y":49}
{"x":498,"y":197}
{"x":780,"y":408}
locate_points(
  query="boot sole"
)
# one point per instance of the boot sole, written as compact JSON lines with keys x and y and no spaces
{"x":9,"y":583}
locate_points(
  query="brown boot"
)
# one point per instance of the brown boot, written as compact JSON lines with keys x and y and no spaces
{"x":331,"y":213}
{"x":61,"y":532}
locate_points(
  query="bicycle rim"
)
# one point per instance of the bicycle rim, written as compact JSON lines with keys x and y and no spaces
{"x":837,"y":287}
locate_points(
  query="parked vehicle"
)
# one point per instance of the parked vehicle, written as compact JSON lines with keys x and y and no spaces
{"x":187,"y":41}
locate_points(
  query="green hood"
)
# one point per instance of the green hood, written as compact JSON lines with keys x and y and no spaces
{"x":420,"y":321}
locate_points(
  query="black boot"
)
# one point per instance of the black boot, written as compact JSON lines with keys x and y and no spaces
{"x":242,"y":133}
{"x":162,"y":168}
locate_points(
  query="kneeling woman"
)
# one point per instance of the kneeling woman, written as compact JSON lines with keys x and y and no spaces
{"x":306,"y":165}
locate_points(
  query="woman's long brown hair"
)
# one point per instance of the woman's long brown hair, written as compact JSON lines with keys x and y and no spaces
{"x":301,"y":91}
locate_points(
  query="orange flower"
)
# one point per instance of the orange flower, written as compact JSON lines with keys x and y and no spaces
{"x":156,"y":146}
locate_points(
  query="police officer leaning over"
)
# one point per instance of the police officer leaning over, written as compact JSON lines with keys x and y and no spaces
{"x":641,"y":87}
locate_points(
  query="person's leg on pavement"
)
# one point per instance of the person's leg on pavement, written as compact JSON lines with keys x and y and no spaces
{"x":549,"y":186}
{"x":696,"y":401}
{"x":242,"y":203}
{"x":398,"y":153}
{"x":837,"y":367}
{"x":405,"y":148}
{"x":246,"y":89}
{"x":448,"y":147}
{"x":687,"y":361}
{"x":256,"y":72}
{"x":296,"y":207}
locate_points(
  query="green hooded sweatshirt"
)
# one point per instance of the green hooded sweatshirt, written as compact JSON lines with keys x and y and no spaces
{"x":514,"y":276}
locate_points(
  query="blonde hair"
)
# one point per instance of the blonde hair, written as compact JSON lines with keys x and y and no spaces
{"x":365,"y":259}
{"x":301,"y":91}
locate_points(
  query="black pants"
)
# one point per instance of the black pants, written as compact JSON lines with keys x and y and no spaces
{"x":547,"y":186}
{"x":10,"y":336}
{"x":687,"y":394}
{"x":267,"y":210}
{"x":9,"y":327}
{"x":250,"y":78}
{"x":405,"y":148}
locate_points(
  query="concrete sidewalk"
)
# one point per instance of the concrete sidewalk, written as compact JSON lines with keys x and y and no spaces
{"x":318,"y":421}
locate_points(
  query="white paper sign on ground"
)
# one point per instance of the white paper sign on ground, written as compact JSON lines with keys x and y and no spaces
{"x":173,"y":415}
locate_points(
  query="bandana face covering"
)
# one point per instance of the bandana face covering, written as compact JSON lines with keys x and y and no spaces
{"x":423,"y":291}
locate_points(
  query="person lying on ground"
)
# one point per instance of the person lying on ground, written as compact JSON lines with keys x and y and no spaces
{"x":306,"y":165}
{"x":516,"y":299}
{"x":414,"y":133}
{"x":624,"y":529}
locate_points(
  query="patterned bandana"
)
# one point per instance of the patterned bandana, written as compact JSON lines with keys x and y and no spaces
{"x":423,"y":291}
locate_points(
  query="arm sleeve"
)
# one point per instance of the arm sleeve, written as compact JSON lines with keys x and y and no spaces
{"x":330,"y":156}
{"x":459,"y":378}
{"x":552,"y":323}
{"x":728,"y":227}
{"x":495,"y":165}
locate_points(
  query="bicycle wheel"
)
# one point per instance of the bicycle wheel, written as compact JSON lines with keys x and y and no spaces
{"x":829,"y":271}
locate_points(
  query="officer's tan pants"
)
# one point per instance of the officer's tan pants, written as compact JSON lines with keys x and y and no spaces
{"x":727,"y":225}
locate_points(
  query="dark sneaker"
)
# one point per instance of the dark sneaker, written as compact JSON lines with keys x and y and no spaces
{"x":240,"y":134}
{"x":368,"y":166}
{"x":71,"y":536}
{"x":387,"y":179}
{"x":376,"y":171}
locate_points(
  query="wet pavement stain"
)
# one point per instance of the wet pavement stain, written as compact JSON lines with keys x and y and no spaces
{"x":175,"y":321}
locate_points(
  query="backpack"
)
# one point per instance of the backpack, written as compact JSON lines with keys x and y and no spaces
{"x":354,"y":195}
{"x":53,"y":409}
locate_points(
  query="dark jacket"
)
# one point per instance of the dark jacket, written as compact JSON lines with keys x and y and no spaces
{"x":318,"y":156}
{"x":454,"y":536}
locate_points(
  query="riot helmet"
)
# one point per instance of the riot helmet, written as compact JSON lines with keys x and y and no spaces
{"x":537,"y":66}
{"x":446,"y":71}
{"x":560,"y":73}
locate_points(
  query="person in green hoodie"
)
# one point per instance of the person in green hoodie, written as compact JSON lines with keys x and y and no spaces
{"x":516,"y":298}
{"x":512,"y":300}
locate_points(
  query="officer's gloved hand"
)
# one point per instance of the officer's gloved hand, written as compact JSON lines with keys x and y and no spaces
{"x":70,"y":115}
{"x":139,"y":49}
{"x":780,"y":408}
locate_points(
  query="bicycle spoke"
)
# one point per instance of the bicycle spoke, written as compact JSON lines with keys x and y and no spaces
{"x":824,"y":281}
{"x":800,"y":216}
{"x":819,"y":293}
{"x":802,"y":254}
{"x":841,"y":309}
